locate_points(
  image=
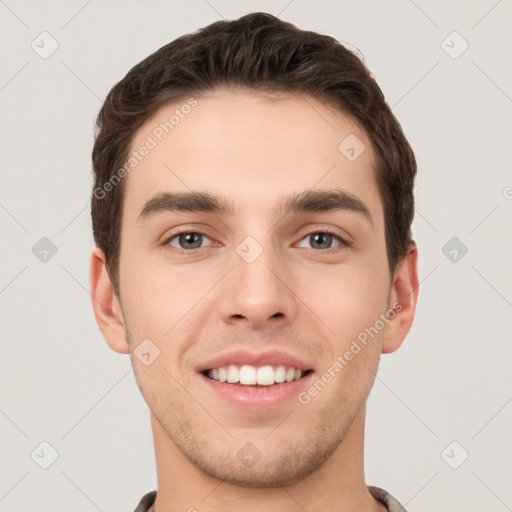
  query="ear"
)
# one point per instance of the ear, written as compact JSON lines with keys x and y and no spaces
{"x":402,"y":300}
{"x":105,"y":303}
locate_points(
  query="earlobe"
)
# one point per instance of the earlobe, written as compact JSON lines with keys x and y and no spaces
{"x":403,"y":299}
{"x":106,"y":306}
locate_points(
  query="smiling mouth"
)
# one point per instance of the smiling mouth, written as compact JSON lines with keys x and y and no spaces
{"x":247,"y":375}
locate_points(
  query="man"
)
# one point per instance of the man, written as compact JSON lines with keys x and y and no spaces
{"x":251,"y":209}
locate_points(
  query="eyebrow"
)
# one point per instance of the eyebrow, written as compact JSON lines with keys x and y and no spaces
{"x":307,"y":201}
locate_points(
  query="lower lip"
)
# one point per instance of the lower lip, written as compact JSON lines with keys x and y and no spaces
{"x":257,"y":397}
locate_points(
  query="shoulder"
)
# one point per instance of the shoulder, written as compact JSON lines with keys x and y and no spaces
{"x":146,"y":502}
{"x":383,"y":496}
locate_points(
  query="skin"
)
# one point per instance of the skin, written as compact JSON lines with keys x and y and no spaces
{"x":193,"y":305}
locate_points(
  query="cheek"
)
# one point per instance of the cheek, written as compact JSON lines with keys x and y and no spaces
{"x":163,"y":304}
{"x":351,"y":305}
{"x":154,"y":296}
{"x":348,"y":298}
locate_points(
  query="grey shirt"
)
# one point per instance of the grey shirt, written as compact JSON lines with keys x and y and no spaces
{"x":380,"y":494}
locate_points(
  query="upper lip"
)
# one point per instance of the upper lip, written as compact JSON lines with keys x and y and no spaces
{"x":241,"y":357}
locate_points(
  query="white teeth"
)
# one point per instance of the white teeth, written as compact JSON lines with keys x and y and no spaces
{"x":280,"y":374}
{"x":290,"y":374}
{"x":250,"y":375}
{"x":247,"y":375}
{"x":233,"y":374}
{"x":265,"y":376}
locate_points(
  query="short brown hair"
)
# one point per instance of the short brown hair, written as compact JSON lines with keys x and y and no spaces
{"x":263,"y":53}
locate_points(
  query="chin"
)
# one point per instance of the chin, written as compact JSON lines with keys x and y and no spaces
{"x":261,"y":479}
{"x":281,"y":470}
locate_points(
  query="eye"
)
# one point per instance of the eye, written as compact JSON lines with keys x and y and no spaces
{"x":323,"y":240}
{"x":187,"y":240}
{"x":192,"y":240}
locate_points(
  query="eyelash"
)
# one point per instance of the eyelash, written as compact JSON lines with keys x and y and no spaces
{"x":342,"y":241}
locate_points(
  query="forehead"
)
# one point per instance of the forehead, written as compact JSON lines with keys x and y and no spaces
{"x":250,"y":147}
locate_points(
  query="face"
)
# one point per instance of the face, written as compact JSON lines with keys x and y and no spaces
{"x":252,"y":279}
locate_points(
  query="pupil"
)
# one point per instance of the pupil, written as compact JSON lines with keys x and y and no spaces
{"x":322,"y":239}
{"x":187,"y":240}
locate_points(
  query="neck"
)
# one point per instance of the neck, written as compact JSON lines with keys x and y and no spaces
{"x":337,"y":486}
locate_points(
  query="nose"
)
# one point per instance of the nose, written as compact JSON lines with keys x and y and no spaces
{"x":258,"y":294}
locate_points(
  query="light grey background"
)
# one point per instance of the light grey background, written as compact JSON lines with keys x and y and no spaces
{"x":450,"y":381}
